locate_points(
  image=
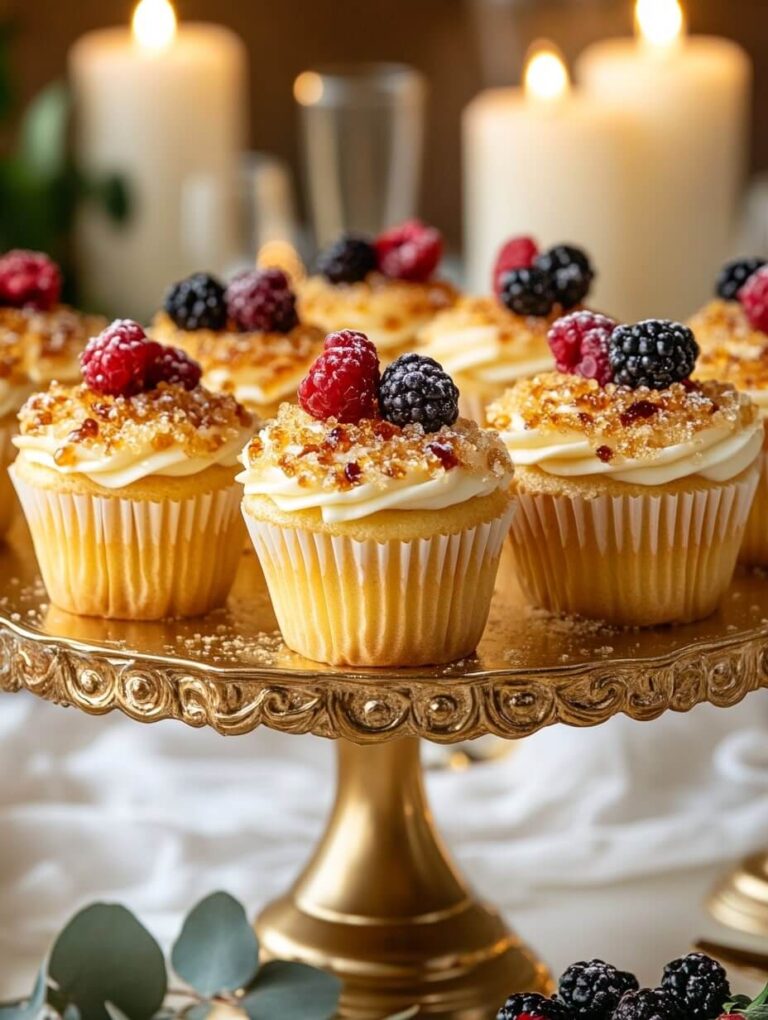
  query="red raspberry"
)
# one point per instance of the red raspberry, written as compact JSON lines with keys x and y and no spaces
{"x":343,"y":382}
{"x":174,"y":366}
{"x":119,"y":361}
{"x":411,"y":251}
{"x":262,"y":300}
{"x":754,"y":299}
{"x":29,"y":279}
{"x":517,"y":253}
{"x":579,"y":342}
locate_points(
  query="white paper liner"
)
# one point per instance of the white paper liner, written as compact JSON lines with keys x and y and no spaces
{"x":632,"y":560}
{"x":7,"y":496}
{"x":134,"y":559}
{"x":754,"y":548}
{"x":372,"y":603}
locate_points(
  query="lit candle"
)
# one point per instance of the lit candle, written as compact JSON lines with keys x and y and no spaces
{"x":164,"y":105}
{"x":688,"y":98}
{"x":545,"y":160}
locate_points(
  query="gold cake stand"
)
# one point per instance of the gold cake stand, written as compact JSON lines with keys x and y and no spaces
{"x":380,"y":902}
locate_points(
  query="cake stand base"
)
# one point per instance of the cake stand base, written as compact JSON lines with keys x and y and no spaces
{"x":741,"y":899}
{"x":381,"y":905}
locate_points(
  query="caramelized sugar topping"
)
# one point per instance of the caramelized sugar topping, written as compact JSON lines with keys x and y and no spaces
{"x":393,"y":303}
{"x":745,"y":365}
{"x":725,"y":322}
{"x":43,"y":344}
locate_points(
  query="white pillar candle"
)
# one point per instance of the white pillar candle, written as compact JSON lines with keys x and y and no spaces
{"x":688,"y":98}
{"x":165,"y":107}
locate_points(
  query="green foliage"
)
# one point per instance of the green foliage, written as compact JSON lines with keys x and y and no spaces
{"x":292,"y":991}
{"x":217,"y":950}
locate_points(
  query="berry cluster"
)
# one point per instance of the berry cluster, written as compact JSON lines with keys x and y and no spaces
{"x":259,"y":299}
{"x":122,"y":361}
{"x":653,"y":353}
{"x":746,"y":281}
{"x":529,"y":282}
{"x":29,"y":279}
{"x":410,"y":252}
{"x":345,"y":383}
{"x":694,"y":987}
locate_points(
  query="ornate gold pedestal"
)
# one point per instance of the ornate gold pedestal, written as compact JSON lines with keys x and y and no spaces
{"x":741,"y":899}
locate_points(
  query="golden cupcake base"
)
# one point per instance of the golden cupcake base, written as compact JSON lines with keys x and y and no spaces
{"x":380,"y":902}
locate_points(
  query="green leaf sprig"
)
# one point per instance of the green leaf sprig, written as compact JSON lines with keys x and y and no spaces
{"x":753,"y":1009}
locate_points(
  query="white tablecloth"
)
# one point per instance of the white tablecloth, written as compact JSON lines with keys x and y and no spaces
{"x":578,"y":832}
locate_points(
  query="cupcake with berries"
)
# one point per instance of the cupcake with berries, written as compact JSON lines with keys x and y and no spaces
{"x":737,"y":315}
{"x":247,"y":336}
{"x":41,"y":339}
{"x":127,"y":482}
{"x":634,"y":483}
{"x":487,"y":343}
{"x":386,"y":287}
{"x":377,"y":513}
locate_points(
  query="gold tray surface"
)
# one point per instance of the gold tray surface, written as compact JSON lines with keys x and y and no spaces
{"x":230,"y":670}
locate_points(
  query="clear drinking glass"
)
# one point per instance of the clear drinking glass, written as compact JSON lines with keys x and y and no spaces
{"x":362,"y":138}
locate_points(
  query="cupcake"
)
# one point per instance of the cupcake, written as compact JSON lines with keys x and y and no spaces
{"x":384,"y":287}
{"x":634,"y":486}
{"x":247,"y":337}
{"x":487,"y":343}
{"x":737,"y":315}
{"x":41,"y":339}
{"x":377,"y":514}
{"x":127,"y":482}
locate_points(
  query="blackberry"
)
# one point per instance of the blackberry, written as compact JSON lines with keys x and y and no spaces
{"x":648,"y":1004}
{"x":593,"y":990}
{"x":734,"y":275}
{"x":699,"y":984}
{"x":197,"y":303}
{"x":348,"y":260}
{"x":654,"y":353}
{"x":527,"y":291}
{"x":570,"y":271}
{"x":532,"y":1007}
{"x":416,"y":390}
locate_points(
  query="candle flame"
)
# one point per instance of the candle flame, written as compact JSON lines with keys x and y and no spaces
{"x":546,"y":76}
{"x":659,"y":22}
{"x":154,"y":24}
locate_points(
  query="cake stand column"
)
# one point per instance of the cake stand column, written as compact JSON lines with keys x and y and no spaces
{"x":381,"y":905}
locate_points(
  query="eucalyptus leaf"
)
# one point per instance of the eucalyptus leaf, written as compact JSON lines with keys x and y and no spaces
{"x":43,"y":137}
{"x":292,"y":991}
{"x":217,"y":950}
{"x":104,"y":955}
{"x":28,"y":1009}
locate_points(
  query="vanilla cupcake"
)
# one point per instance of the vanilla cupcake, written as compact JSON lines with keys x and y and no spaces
{"x":487,"y":343}
{"x":127,"y":483}
{"x":386,"y":288}
{"x":633,"y":495}
{"x":378,"y":517}
{"x":737,"y":315}
{"x":247,"y":337}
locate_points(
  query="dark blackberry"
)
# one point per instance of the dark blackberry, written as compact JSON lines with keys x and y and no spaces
{"x":527,"y":291}
{"x":654,"y":353}
{"x":348,"y":260}
{"x":734,"y":275}
{"x":648,"y":1004}
{"x":570,"y":271}
{"x":699,"y":984}
{"x":593,"y":990}
{"x":416,"y":390}
{"x":197,"y":303}
{"x":530,"y":1006}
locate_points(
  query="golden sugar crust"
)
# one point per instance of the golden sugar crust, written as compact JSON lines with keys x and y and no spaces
{"x":45,"y":345}
{"x":519,"y":331}
{"x":634,"y":423}
{"x":197,"y":421}
{"x":721,"y":323}
{"x":331,"y":455}
{"x":745,"y":365}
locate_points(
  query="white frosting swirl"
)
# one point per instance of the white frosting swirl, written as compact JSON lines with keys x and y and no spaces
{"x":479,"y":351}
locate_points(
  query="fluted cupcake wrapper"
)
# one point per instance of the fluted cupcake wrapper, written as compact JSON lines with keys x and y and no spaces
{"x":754,"y":548}
{"x":368,"y":603}
{"x":8,"y":429}
{"x":632,"y":560}
{"x":134,"y":559}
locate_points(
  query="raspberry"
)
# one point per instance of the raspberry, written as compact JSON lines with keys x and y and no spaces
{"x":415,"y":390}
{"x":699,"y":984}
{"x":349,"y":260}
{"x":174,"y":366}
{"x":531,"y":1006}
{"x":570,"y":271}
{"x":411,"y":251}
{"x":579,"y":342}
{"x":518,"y":253}
{"x":593,"y":990}
{"x":119,"y":361}
{"x":653,"y":353}
{"x":197,"y":303}
{"x":648,"y":1004}
{"x":262,"y":300}
{"x":343,"y":382}
{"x":527,"y":292}
{"x":29,"y":279}
{"x":734,"y":275}
{"x":754,"y":299}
